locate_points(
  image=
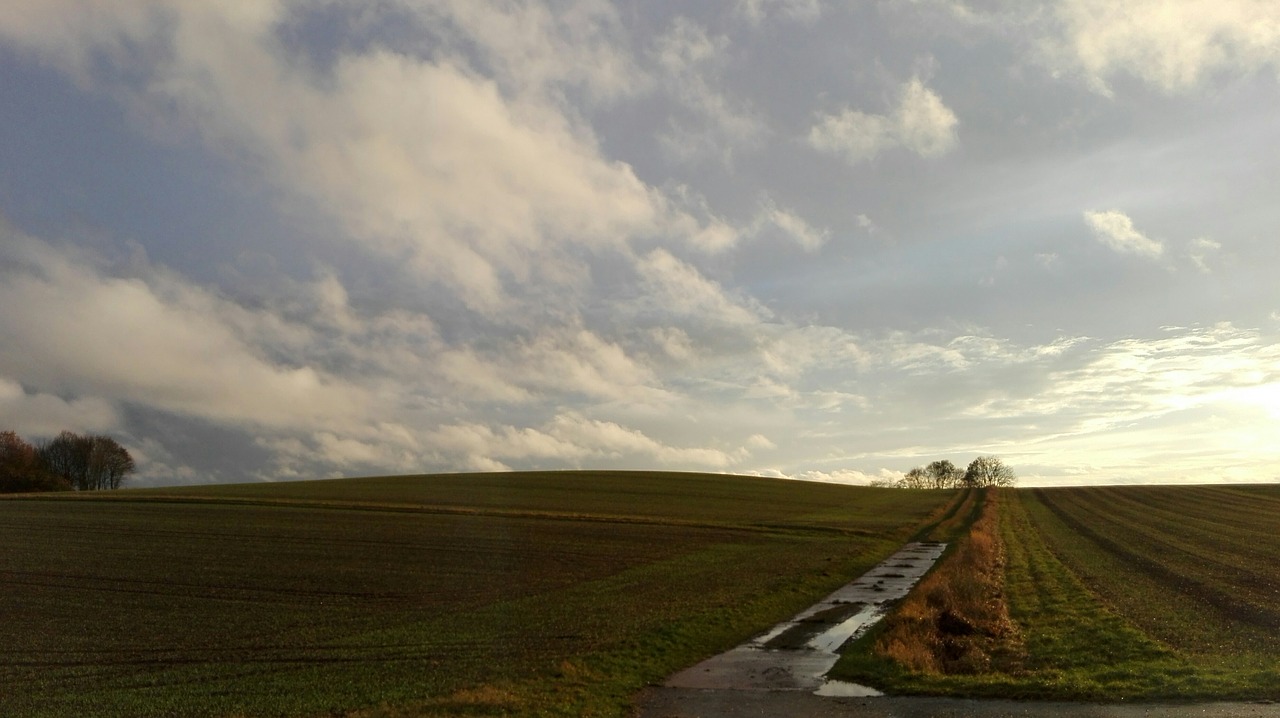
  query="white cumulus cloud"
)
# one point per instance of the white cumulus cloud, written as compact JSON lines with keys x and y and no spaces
{"x":921,"y":123}
{"x":1174,"y":46}
{"x":1114,"y":229}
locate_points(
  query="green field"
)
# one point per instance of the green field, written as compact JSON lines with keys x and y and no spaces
{"x":563,"y":593}
{"x":1128,"y":593}
{"x":1193,"y":570}
{"x":538,"y":594}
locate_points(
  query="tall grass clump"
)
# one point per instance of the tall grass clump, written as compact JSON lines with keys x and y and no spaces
{"x":956,"y":621}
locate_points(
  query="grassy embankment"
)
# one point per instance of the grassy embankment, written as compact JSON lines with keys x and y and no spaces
{"x":535,"y":594}
{"x":1119,"y":594}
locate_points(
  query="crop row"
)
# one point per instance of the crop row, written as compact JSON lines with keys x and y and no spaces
{"x":1212,"y":547}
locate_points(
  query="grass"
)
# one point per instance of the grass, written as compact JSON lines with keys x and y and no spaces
{"x":529,"y":594}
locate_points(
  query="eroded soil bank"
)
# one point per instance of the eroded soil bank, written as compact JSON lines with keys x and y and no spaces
{"x":795,"y":655}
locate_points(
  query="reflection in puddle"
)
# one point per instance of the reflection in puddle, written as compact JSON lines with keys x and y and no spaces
{"x":833,"y":638}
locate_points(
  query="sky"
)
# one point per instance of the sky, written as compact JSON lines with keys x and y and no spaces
{"x":261,"y":240}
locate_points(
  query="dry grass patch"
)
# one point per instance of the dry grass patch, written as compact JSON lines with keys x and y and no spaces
{"x":956,"y":621}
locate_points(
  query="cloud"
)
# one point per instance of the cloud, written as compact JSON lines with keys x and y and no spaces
{"x":43,"y":414}
{"x":681,"y":290}
{"x":570,"y":360}
{"x":790,"y":225}
{"x":1116,"y":384}
{"x":73,"y":330}
{"x":686,"y":45}
{"x":536,"y":48}
{"x":1114,"y":229}
{"x":856,"y":135}
{"x":473,"y":188}
{"x":569,"y":438}
{"x":479,"y":278}
{"x":1202,"y":250}
{"x":849,"y":476}
{"x":1048,"y":260}
{"x":698,"y":223}
{"x":487,"y":193}
{"x":1172,"y":46}
{"x":692,"y":62}
{"x":673,"y":343}
{"x":158,"y":466}
{"x":921,"y":124}
{"x":758,"y":11}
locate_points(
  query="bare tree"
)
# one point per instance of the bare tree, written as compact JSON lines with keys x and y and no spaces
{"x":109,"y":463}
{"x":87,"y":463}
{"x":67,"y":457}
{"x":914,"y":479}
{"x":989,"y":471}
{"x":943,"y":475}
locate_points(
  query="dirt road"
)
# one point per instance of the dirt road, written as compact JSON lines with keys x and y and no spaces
{"x":795,"y":655}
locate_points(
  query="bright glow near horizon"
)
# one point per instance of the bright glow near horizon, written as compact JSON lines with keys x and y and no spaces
{"x":263,"y":239}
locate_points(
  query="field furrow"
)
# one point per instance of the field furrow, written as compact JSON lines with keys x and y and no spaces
{"x":1205,"y":586}
{"x":1230,"y":571}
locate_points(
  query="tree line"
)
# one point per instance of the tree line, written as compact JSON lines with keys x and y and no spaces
{"x":66,"y":462}
{"x":982,"y":471}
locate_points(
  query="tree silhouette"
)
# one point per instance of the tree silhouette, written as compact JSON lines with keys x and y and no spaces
{"x":989,"y":471}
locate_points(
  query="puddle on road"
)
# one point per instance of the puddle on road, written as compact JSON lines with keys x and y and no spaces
{"x":840,"y":689}
{"x":795,"y":655}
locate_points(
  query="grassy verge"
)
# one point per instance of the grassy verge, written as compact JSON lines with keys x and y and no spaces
{"x":954,"y":625}
{"x":553,"y":594}
{"x":956,"y":620}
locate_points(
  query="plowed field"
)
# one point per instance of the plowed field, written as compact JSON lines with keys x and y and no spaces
{"x":1195,"y":566}
{"x":558,"y":594}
